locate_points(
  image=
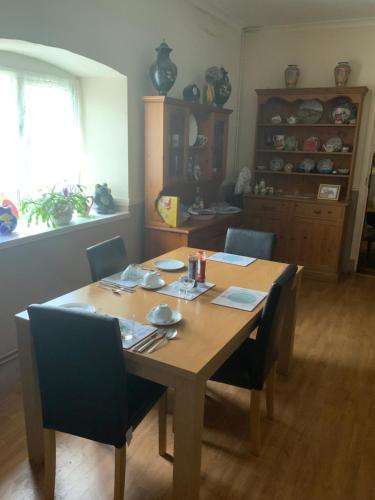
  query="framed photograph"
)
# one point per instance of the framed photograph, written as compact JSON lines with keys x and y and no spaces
{"x":329,"y":192}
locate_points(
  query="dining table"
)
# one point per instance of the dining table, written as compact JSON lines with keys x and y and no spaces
{"x":207,"y":335}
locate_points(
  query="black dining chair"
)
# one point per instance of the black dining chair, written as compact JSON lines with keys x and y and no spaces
{"x":106,"y":258}
{"x":85,"y":388}
{"x":253,"y":363}
{"x":249,"y":243}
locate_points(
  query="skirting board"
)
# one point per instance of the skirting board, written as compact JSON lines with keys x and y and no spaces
{"x":9,"y":356}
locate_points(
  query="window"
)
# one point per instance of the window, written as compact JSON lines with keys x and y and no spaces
{"x":40,"y":141}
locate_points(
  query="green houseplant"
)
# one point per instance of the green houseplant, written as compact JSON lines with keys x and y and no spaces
{"x":56,"y":207}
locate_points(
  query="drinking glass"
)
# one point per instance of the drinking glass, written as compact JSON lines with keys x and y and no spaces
{"x":186,"y":284}
{"x":130,"y":328}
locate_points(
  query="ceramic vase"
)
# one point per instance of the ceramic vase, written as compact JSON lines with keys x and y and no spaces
{"x":291,"y":75}
{"x":163,"y":72}
{"x":223,"y":89}
{"x":8,"y":219}
{"x":342,"y":72}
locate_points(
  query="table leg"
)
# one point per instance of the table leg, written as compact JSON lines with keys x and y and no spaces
{"x":31,"y":395}
{"x":288,"y":330}
{"x":189,"y":410}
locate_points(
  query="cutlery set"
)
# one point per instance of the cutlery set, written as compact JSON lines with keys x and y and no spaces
{"x":155,"y":340}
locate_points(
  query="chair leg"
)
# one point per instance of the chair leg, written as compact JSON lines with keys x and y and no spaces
{"x":270,"y":390}
{"x":163,"y":425}
{"x":49,"y":437}
{"x":255,"y":421}
{"x":120,"y":469}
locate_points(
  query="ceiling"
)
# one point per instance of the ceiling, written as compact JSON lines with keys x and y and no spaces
{"x":263,"y":13}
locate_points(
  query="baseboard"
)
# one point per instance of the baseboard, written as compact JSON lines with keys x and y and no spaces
{"x":9,"y":356}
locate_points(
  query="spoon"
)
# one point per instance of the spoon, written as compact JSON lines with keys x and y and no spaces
{"x":170,"y":334}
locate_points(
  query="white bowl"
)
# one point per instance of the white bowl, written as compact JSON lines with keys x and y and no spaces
{"x":161,"y":313}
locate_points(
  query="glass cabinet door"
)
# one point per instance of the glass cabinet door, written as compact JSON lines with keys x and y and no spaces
{"x":176,"y":137}
{"x":219,"y":150}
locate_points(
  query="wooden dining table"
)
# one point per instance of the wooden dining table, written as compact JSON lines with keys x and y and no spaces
{"x":207,"y":335}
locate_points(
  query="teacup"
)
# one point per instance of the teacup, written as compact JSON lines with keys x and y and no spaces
{"x":330,"y":148}
{"x":151,"y":279}
{"x":162,"y":313}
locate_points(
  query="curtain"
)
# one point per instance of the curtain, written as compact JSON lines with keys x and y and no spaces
{"x":40,"y":137}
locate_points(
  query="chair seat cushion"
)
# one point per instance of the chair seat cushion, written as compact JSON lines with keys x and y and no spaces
{"x":142,"y":396}
{"x":236,"y":369}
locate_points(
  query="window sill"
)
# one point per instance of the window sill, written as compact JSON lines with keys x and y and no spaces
{"x":23,"y":234}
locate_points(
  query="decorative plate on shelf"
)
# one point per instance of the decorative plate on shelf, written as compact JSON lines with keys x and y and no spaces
{"x":333,"y":145}
{"x":343,"y":110}
{"x":291,"y":143}
{"x":325,"y":166}
{"x":193,"y":130}
{"x":310,"y":111}
{"x":307,"y":165}
{"x":276,"y":164}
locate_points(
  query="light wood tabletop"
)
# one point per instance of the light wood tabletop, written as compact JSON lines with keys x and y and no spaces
{"x":207,"y":335}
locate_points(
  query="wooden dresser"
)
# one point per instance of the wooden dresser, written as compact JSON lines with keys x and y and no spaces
{"x":168,"y":153}
{"x":310,"y":231}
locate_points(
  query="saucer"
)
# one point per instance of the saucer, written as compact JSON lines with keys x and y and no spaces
{"x":79,"y":306}
{"x":169,"y":264}
{"x":160,"y":284}
{"x":176,"y":318}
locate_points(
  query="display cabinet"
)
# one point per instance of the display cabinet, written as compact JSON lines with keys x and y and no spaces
{"x":185,"y":151}
{"x":304,"y":162}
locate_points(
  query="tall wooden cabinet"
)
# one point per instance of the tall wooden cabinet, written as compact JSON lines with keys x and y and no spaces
{"x":310,"y":231}
{"x":170,"y":152}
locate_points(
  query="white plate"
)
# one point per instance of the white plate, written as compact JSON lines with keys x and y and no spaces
{"x":193,"y":130}
{"x":228,"y":210}
{"x":153,"y":287}
{"x":79,"y":306}
{"x":169,"y":264}
{"x":176,"y":318}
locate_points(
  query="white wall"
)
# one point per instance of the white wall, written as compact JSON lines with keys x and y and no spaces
{"x":316,"y":50}
{"x":105,"y":134}
{"x":120,"y":34}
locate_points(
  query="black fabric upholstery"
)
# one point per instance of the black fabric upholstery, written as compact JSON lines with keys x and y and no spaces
{"x":84,"y":387}
{"x":249,"y":243}
{"x":106,"y":258}
{"x":249,"y":365}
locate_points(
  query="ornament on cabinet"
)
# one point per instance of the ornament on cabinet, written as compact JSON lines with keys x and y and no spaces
{"x":163,"y":72}
{"x":291,"y":74}
{"x":191,"y":93}
{"x":341,"y":73}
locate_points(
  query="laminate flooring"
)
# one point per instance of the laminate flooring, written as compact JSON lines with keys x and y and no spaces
{"x":320,"y":445}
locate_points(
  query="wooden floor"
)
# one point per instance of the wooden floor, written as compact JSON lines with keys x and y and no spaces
{"x":321,"y":445}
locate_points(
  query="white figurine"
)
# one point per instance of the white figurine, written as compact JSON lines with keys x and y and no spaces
{"x":243,"y":181}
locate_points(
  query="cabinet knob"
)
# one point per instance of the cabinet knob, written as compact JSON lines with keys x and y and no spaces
{"x":317,"y":212}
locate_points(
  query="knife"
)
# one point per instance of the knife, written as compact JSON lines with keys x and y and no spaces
{"x":150,"y":342}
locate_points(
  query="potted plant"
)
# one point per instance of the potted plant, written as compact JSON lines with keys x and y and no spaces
{"x":56,"y":208}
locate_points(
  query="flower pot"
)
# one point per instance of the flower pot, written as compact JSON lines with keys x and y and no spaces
{"x":61,"y":215}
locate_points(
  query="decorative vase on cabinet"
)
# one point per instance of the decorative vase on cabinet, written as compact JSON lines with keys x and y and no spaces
{"x":163,"y":72}
{"x":342,"y":72}
{"x":291,"y":75}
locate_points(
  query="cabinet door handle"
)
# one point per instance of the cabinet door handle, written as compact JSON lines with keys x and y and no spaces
{"x":317,"y":212}
{"x":329,"y":212}
{"x":268,"y":208}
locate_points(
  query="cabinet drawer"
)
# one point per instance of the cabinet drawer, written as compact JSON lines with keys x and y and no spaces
{"x":319,"y":211}
{"x":266,"y":206}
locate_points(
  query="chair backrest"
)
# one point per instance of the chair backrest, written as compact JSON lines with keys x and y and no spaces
{"x":81,"y":371}
{"x":271,"y":323}
{"x":106,"y":258}
{"x":249,"y":243}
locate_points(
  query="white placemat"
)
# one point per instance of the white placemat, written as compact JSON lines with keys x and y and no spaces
{"x":240,"y":298}
{"x":174,"y":290}
{"x":138,"y":330}
{"x":230,"y":258}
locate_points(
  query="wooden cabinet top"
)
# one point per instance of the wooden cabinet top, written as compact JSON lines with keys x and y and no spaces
{"x":323,"y":93}
{"x":160,"y":99}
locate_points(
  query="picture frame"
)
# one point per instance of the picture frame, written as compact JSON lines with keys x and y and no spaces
{"x":329,"y":192}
